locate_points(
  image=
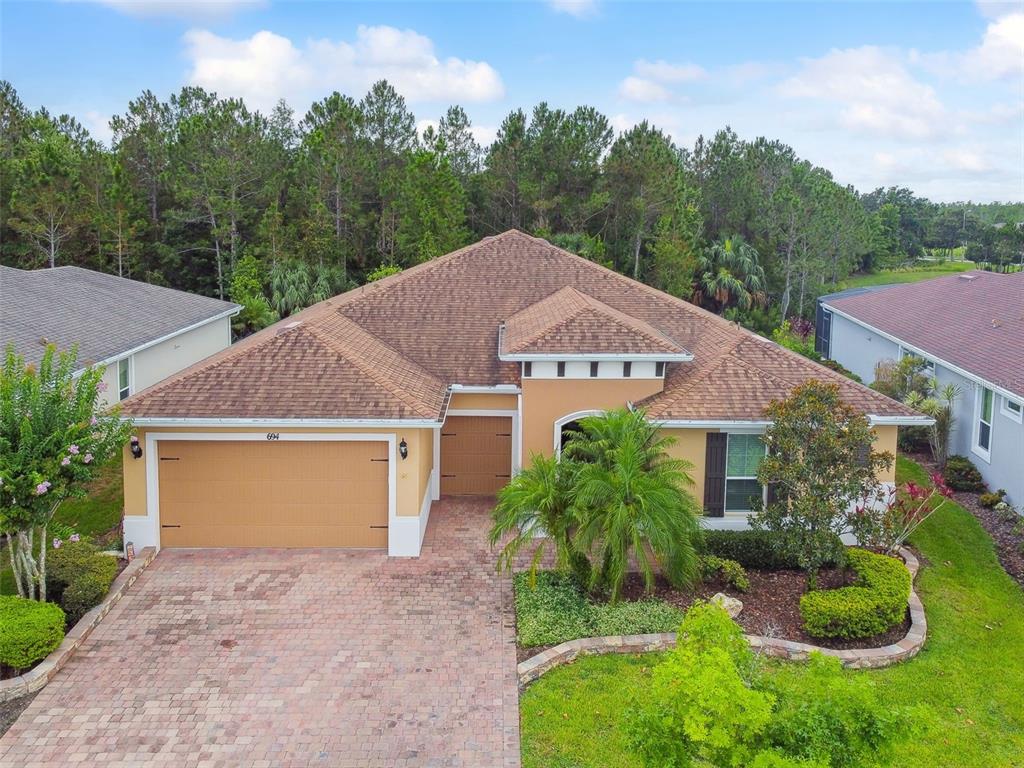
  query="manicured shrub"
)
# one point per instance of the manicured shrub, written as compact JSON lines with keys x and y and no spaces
{"x":961,"y":475}
{"x":759,"y":549}
{"x":872,"y":606}
{"x":79,"y":577}
{"x":989,"y":500}
{"x":29,"y":630}
{"x":728,"y":571}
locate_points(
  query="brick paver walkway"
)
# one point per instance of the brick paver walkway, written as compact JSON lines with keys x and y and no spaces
{"x":294,"y":658}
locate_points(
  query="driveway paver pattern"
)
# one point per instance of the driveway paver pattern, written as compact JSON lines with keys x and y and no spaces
{"x":265,"y":658}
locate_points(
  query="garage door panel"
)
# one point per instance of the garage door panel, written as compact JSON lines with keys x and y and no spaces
{"x":476,"y":455}
{"x":274,"y":493}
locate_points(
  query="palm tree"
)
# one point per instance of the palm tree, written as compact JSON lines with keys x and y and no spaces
{"x":630,"y":500}
{"x":535,"y":509}
{"x":729,"y":273}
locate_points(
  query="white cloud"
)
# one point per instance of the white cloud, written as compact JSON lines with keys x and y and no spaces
{"x":640,"y":89}
{"x":664,"y":72}
{"x":577,"y":8}
{"x":267,"y":66}
{"x":98,"y":126}
{"x":1001,"y":53}
{"x":874,"y":91}
{"x":993,"y":9}
{"x":193,"y":10}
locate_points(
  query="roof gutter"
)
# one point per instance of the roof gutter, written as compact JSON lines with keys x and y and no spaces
{"x":667,"y":357}
{"x":281,"y":423}
{"x":924,"y":353}
{"x":236,"y":308}
{"x":873,"y":420}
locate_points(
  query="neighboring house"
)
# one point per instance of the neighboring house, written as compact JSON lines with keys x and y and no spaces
{"x":142,"y":333}
{"x":970,"y":329}
{"x":339,"y":426}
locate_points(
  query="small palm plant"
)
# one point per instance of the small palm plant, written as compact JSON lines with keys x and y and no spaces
{"x":631,"y":502}
{"x":939,"y":405}
{"x":535,"y":509}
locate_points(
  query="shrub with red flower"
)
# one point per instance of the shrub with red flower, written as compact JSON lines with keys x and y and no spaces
{"x":887,"y":524}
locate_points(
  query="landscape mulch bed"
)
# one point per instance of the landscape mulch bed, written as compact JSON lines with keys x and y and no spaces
{"x":9,"y":710}
{"x":771,"y":607}
{"x":1007,"y":532}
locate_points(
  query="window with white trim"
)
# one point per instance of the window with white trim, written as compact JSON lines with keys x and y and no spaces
{"x":929,"y":365}
{"x":742,"y":458}
{"x":1012,"y":409}
{"x":124,"y":378}
{"x":983,"y":421}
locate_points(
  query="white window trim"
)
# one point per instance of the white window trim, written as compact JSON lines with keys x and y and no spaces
{"x":1004,"y":409}
{"x":976,"y":449}
{"x":929,"y":367}
{"x":556,"y":444}
{"x":728,"y":477}
{"x":130,"y":361}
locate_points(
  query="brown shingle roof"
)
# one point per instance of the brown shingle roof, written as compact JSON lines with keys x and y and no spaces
{"x":570,"y":322}
{"x":974,"y":320}
{"x":388,"y":349}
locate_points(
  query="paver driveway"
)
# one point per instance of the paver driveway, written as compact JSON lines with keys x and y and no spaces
{"x":294,"y":657}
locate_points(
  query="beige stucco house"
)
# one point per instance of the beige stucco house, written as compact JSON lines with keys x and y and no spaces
{"x":140,"y":333}
{"x":341,"y":425}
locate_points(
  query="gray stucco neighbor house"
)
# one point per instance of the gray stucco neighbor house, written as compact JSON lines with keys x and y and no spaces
{"x":969,"y":328}
{"x":142,"y":333}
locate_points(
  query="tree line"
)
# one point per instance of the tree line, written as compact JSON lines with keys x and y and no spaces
{"x":278,"y":211}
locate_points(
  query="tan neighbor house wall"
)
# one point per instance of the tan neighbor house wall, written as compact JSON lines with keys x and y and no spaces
{"x":545,"y":401}
{"x":886,"y":442}
{"x":413,"y":474}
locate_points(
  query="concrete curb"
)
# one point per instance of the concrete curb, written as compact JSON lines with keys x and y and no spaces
{"x":43,"y":672}
{"x":856,"y":658}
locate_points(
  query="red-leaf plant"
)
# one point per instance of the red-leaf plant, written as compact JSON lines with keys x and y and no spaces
{"x":886,"y":524}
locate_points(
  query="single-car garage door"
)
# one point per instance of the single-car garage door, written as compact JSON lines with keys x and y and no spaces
{"x":476,"y":455}
{"x":273,"y":493}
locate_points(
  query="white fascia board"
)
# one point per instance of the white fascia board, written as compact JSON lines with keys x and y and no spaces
{"x":283,"y":423}
{"x":708,"y":423}
{"x":121,"y":355}
{"x":900,"y":421}
{"x":678,"y":357}
{"x":494,"y":389}
{"x":925,"y":353}
{"x":875,"y":421}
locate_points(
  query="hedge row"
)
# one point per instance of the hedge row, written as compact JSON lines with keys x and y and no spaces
{"x":750,"y":548}
{"x":872,"y":606}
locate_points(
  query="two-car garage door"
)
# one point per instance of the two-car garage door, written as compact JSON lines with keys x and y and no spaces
{"x":273,"y":494}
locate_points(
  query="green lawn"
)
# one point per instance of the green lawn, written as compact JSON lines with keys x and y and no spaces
{"x":96,"y":515}
{"x":924,"y":272}
{"x":970,"y":674}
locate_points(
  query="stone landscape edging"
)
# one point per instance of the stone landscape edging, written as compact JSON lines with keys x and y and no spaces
{"x":43,"y":672}
{"x":853,"y":658}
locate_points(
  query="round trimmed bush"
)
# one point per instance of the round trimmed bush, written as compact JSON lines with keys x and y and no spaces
{"x":875,"y":604}
{"x":29,"y":630}
{"x":961,"y":475}
{"x":78,"y":576}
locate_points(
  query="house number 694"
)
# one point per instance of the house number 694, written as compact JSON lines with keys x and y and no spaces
{"x":273,"y":435}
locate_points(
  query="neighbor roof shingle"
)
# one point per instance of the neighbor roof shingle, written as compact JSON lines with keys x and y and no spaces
{"x":104,"y":315}
{"x":437,"y":324}
{"x":974,"y":320}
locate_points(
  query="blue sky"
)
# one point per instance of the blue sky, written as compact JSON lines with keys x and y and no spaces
{"x":927,"y":95}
